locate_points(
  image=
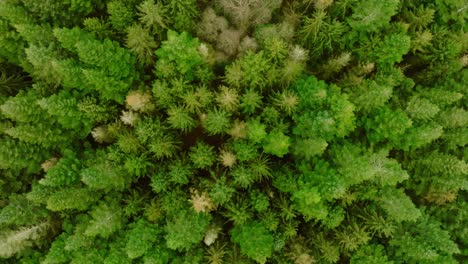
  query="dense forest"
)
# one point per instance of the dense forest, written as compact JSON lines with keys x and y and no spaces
{"x":233,"y":131}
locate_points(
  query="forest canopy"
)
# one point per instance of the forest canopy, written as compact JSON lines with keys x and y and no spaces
{"x":233,"y":131}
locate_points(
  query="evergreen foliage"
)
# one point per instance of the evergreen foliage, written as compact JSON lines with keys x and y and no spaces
{"x":233,"y":131}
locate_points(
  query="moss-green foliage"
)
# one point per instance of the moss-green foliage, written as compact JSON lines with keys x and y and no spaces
{"x":141,"y":238}
{"x":254,"y":241}
{"x":179,"y":57}
{"x":369,"y":16}
{"x":186,"y":229}
{"x":233,"y":131}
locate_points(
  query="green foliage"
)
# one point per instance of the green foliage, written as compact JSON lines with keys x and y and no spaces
{"x":324,"y":112}
{"x":20,"y":212}
{"x":13,"y":45}
{"x":180,"y":171}
{"x":454,"y":118}
{"x":286,"y":101}
{"x":428,"y":243}
{"x":307,"y":148}
{"x":352,"y":236}
{"x":153,"y":15}
{"x":140,"y":239}
{"x":120,"y":14}
{"x":17,"y":155}
{"x":140,"y":42}
{"x":35,"y":34}
{"x":254,"y":240}
{"x":179,"y":118}
{"x":387,"y":124}
{"x":370,"y":16}
{"x":202,"y":155}
{"x":390,"y":50}
{"x":227,"y":99}
{"x":420,"y":108}
{"x":417,"y":137}
{"x":178,"y":57}
{"x":233,"y":131}
{"x":260,"y":201}
{"x":243,"y":176}
{"x":186,"y":229}
{"x":370,"y":254}
{"x":137,"y":166}
{"x":276,"y":143}
{"x":102,"y":174}
{"x":221,"y":191}
{"x":216,"y":122}
{"x":397,"y":205}
{"x":106,"y":219}
{"x":442,"y":171}
{"x":98,"y":27}
{"x":11,"y":83}
{"x":256,"y":131}
{"x":17,"y":240}
{"x":248,"y":71}
{"x":442,"y":97}
{"x":367,"y":166}
{"x":307,"y":201}
{"x":319,"y":34}
{"x":244,"y":151}
{"x":21,"y":108}
{"x":42,"y":134}
{"x":64,"y":108}
{"x":69,"y":198}
{"x":57,"y":253}
{"x":65,"y":172}
{"x":110,"y":74}
{"x":250,"y":101}
{"x":183,"y":13}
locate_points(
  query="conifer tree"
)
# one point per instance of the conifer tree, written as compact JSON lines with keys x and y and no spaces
{"x":233,"y":131}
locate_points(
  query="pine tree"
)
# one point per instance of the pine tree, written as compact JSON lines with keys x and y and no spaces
{"x":140,"y":239}
{"x":254,"y":240}
{"x":16,"y":241}
{"x":140,"y":42}
{"x":106,"y":219}
{"x":233,"y":131}
{"x":186,"y":229}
